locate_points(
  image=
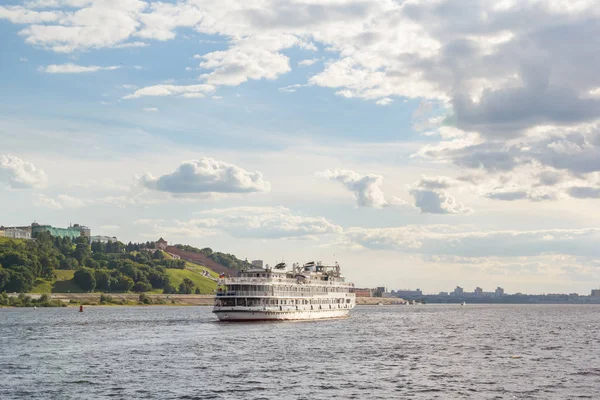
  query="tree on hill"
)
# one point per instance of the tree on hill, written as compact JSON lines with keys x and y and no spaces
{"x":186,"y":287}
{"x":85,"y":279}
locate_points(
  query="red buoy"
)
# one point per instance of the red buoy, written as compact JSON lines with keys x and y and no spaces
{"x":80,"y":308}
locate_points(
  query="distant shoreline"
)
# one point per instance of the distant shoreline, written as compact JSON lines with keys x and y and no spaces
{"x":133,"y":299}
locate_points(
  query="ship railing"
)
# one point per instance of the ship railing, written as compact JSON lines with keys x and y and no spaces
{"x":266,"y":281}
{"x":299,"y":295}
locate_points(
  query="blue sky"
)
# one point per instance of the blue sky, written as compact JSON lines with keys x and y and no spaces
{"x":420,"y":145}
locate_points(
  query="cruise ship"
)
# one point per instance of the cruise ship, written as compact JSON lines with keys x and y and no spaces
{"x":302,"y":292}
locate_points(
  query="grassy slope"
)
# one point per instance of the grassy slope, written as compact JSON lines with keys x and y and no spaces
{"x":63,"y":284}
{"x":64,"y":280}
{"x":194,"y":272}
{"x":177,"y":276}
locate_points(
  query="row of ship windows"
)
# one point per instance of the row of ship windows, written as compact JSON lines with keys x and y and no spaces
{"x":299,"y":289}
{"x":249,"y":302}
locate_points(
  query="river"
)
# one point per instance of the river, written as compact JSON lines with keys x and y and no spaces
{"x":380,"y":352}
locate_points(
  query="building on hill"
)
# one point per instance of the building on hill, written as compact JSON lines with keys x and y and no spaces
{"x":257,"y":263}
{"x":499,"y":291}
{"x":15,"y":233}
{"x":72,"y":232}
{"x":84,"y":230}
{"x":595,"y":293}
{"x":162,"y":244}
{"x":103,"y":239}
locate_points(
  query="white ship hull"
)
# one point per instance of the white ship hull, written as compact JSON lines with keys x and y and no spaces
{"x":237,"y":314}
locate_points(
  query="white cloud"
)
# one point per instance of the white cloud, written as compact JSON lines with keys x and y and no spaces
{"x":453,"y":240}
{"x":23,"y":59}
{"x":365,"y":188}
{"x":207,"y":176}
{"x":431,"y":197}
{"x":384,"y":102}
{"x":21,"y":15}
{"x":290,"y":88}
{"x":150,"y":109}
{"x":19,"y":174}
{"x":131,"y":45}
{"x":242,"y":62}
{"x":261,"y":222}
{"x":438,"y":202}
{"x":74,"y":69}
{"x":69,"y":201}
{"x":91,"y":25}
{"x":47,"y":202}
{"x":308,"y":62}
{"x":60,"y":202}
{"x":189,"y":91}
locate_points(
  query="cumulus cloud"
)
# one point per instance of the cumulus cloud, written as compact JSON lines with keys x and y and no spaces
{"x":451,"y":240}
{"x":240,"y":63}
{"x":384,"y":102}
{"x":189,"y":91}
{"x":150,"y":109}
{"x":365,"y":188}
{"x":511,"y":194}
{"x":501,"y":71}
{"x":19,"y":174}
{"x":74,"y":68}
{"x":22,"y":15}
{"x":255,"y":222}
{"x":88,"y":25}
{"x":308,"y":62}
{"x":438,"y":202}
{"x":290,"y":88}
{"x":60,"y":202}
{"x":207,"y":175}
{"x":47,"y":202}
{"x":430,"y":196}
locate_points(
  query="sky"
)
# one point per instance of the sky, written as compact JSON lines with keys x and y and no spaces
{"x":421,"y":144}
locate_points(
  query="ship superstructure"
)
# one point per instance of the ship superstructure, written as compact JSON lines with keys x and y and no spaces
{"x":309,"y":291}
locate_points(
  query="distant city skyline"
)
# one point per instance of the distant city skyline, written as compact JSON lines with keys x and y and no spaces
{"x":416,"y":143}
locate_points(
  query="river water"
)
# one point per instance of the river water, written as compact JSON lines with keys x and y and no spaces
{"x":380,"y":352}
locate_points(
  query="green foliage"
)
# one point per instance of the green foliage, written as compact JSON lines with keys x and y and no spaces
{"x":53,"y":264}
{"x":173,"y":264}
{"x":186,"y":287}
{"x":144,"y":299}
{"x":69,"y":263}
{"x":197,"y":291}
{"x":86,"y":279}
{"x":142,"y":286}
{"x":168,"y":289}
{"x":23,"y":300}
{"x":228,"y":260}
{"x":82,"y":252}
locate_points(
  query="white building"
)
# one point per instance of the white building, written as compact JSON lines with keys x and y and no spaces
{"x":16,"y":233}
{"x":103,"y":239}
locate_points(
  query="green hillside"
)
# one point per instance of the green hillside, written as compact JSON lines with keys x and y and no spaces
{"x":206,"y":285}
{"x":63,"y":283}
{"x":56,"y":265}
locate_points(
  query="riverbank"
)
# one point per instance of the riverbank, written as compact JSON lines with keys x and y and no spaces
{"x":129,"y":299}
